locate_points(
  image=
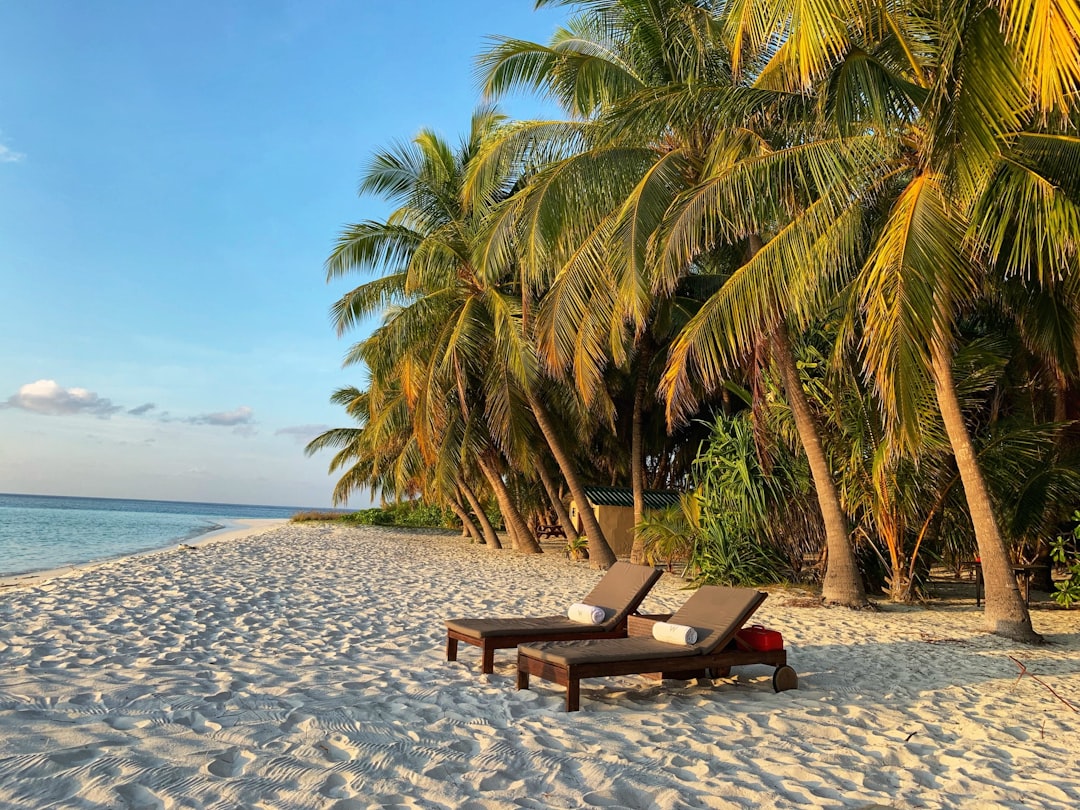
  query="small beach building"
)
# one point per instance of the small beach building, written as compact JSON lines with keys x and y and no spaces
{"x":614,"y":510}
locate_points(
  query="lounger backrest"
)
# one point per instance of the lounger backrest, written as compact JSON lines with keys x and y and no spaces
{"x":717,"y":613}
{"x":621,"y":590}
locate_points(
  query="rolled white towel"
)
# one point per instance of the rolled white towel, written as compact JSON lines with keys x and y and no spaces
{"x":585,"y":614}
{"x":674,"y":633}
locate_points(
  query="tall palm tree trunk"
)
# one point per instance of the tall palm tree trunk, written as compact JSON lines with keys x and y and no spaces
{"x":556,"y":502}
{"x":515,"y":523}
{"x":600,"y":553}
{"x":491,"y":539}
{"x":1005,"y":613}
{"x":467,"y":526}
{"x":637,"y":450}
{"x":842,"y":583}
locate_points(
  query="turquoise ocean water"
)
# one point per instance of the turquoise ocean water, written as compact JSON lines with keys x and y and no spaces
{"x":39,"y":532}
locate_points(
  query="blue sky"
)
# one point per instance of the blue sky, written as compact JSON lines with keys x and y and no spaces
{"x":172,"y":176}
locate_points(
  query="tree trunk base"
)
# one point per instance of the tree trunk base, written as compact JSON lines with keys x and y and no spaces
{"x":854,"y":604}
{"x":1017,"y":631}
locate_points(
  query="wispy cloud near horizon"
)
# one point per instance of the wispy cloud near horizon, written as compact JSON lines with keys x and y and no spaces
{"x":241,"y":420}
{"x":302,"y":434}
{"x":239,"y":416}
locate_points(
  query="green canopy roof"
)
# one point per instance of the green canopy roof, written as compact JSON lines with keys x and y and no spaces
{"x":624,"y":496}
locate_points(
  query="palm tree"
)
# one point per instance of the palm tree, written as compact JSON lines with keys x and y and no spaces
{"x":380,"y":454}
{"x":634,"y":73}
{"x":384,"y":455}
{"x":947,"y":153}
{"x":463,"y":326}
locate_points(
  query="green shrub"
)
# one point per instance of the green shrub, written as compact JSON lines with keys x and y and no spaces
{"x":737,"y":508}
{"x":306,"y":517}
{"x":1068,"y":591}
{"x":370,"y":517}
{"x":407,"y":514}
{"x":420,"y":515}
{"x":578,"y":549}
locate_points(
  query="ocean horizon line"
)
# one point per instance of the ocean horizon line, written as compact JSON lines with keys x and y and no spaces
{"x":171,"y":501}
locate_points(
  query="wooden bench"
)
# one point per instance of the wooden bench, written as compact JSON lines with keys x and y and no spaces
{"x":554,"y":530}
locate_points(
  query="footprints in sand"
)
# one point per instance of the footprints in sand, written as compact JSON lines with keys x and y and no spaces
{"x":74,"y":757}
{"x":336,"y":786}
{"x":197,"y":723}
{"x":138,"y":797}
{"x":126,"y":723}
{"x":231,"y":763}
{"x":338,"y":749}
{"x":622,"y":797}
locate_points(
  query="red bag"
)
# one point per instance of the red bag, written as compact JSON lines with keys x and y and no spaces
{"x":758,"y":638}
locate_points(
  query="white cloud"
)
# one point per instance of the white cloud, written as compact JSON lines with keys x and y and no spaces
{"x":10,"y":155}
{"x":142,"y":409}
{"x":49,"y":398}
{"x":241,"y":416}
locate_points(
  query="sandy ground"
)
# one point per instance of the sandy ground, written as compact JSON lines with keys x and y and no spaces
{"x":304,"y":667}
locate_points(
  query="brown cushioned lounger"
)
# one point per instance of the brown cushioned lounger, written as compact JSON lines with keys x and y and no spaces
{"x":619,"y":593}
{"x":716,"y":613}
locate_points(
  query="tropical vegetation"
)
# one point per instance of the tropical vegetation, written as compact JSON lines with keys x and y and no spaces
{"x":813,"y":263}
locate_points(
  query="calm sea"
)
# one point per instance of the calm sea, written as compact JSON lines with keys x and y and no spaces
{"x":39,"y":532}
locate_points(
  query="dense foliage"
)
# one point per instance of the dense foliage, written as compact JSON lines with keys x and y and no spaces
{"x":815,"y":262}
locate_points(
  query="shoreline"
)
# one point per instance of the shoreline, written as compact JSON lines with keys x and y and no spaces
{"x":239,"y":527}
{"x":305,"y":665}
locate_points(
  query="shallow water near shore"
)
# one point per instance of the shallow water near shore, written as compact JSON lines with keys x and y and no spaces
{"x":40,"y":532}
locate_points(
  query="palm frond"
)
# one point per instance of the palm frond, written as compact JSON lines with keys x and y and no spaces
{"x":1045,"y":35}
{"x":909,"y":291}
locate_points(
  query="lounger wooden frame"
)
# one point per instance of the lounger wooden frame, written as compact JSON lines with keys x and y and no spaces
{"x":712,"y":664}
{"x":621,"y":591}
{"x":488,"y":645}
{"x":572,"y":675}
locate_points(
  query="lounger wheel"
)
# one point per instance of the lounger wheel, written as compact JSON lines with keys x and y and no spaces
{"x":784,"y":678}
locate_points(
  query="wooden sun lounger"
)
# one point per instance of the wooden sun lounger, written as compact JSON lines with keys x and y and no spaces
{"x":716,"y":613}
{"x":619,"y":592}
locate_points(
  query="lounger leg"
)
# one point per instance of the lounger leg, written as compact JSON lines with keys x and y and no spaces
{"x":522,"y":679}
{"x":451,"y":649}
{"x":573,"y":695}
{"x":487,"y":659}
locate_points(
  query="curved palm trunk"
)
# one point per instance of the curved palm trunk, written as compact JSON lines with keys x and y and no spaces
{"x":842,"y":583}
{"x":515,"y":523}
{"x":637,"y":453}
{"x":1005,"y":613}
{"x":1060,"y":389}
{"x":468,"y":528}
{"x":490,"y":537}
{"x":600,"y":553}
{"x":556,"y":502}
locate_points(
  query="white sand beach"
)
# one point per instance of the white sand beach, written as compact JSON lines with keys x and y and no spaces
{"x":303,"y":666}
